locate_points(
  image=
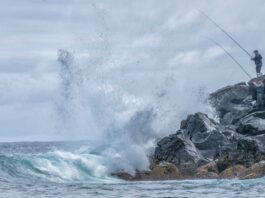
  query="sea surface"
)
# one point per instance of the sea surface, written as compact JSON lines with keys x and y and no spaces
{"x":65,"y":169}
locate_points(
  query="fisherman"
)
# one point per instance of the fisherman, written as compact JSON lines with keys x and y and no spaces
{"x":258,"y":62}
{"x":259,"y":85}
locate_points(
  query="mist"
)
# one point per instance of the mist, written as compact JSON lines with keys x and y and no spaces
{"x":122,"y":74}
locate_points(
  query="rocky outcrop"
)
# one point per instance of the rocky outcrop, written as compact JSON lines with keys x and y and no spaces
{"x":232,"y":147}
{"x":236,"y":141}
{"x":181,"y":151}
{"x":232,"y":102}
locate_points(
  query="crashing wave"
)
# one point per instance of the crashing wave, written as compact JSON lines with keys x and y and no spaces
{"x":55,"y":166}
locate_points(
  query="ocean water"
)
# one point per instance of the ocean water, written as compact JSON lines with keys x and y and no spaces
{"x":65,"y":169}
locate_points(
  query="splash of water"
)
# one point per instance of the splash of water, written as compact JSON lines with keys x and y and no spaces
{"x":126,"y":125}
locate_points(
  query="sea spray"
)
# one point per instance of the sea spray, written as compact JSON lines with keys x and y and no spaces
{"x":125,"y":124}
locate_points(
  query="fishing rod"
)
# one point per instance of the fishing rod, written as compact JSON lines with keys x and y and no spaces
{"x":238,"y":44}
{"x":242,"y":68}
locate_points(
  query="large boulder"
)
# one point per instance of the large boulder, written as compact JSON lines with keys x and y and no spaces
{"x":205,"y":134}
{"x":179,"y":150}
{"x":228,"y":97}
{"x":252,"y":124}
{"x":232,"y":102}
{"x":197,"y":142}
{"x":243,"y":150}
{"x":198,"y":123}
{"x":235,"y":114}
{"x":233,"y":172}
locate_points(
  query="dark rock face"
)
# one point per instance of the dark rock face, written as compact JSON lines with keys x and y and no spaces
{"x":179,"y":150}
{"x":252,"y":124}
{"x":232,"y":102}
{"x":238,"y":139}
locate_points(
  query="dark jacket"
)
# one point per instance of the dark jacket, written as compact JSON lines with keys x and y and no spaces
{"x":257,"y":59}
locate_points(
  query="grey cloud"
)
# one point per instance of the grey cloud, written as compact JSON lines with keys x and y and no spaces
{"x":132,"y":45}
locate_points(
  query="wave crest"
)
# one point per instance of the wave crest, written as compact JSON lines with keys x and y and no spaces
{"x":56,"y":166}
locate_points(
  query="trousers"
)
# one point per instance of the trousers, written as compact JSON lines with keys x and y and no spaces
{"x":258,"y":68}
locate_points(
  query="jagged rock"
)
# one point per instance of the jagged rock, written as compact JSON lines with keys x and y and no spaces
{"x":204,"y":134}
{"x":198,"y":123}
{"x":197,"y":142}
{"x":228,"y":98}
{"x":252,"y":124}
{"x":235,"y":114}
{"x":203,"y":148}
{"x":233,"y":172}
{"x":201,"y":140}
{"x":243,"y":150}
{"x":179,"y":150}
{"x":192,"y":145}
{"x":210,"y":146}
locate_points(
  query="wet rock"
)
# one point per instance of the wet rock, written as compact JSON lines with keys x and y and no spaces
{"x":243,"y":150}
{"x":228,"y":98}
{"x":123,"y":175}
{"x":252,"y":124}
{"x":204,"y":174}
{"x":210,"y":146}
{"x":198,"y":123}
{"x":194,"y":144}
{"x":233,"y":172}
{"x":204,"y":134}
{"x":249,"y":176}
{"x":210,"y":167}
{"x":208,"y":171}
{"x":203,"y":147}
{"x":179,"y":150}
{"x":163,"y":171}
{"x":257,"y":169}
{"x":235,"y":114}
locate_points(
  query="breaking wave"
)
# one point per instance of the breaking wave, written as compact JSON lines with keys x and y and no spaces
{"x":54,"y":166}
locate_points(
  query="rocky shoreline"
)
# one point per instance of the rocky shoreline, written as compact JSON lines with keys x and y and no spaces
{"x":232,"y":147}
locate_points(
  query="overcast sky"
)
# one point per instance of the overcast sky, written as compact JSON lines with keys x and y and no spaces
{"x":132,"y":48}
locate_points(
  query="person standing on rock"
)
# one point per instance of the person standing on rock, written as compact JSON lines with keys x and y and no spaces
{"x":258,"y":62}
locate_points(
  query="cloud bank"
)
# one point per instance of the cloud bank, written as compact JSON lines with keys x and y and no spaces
{"x":129,"y":56}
